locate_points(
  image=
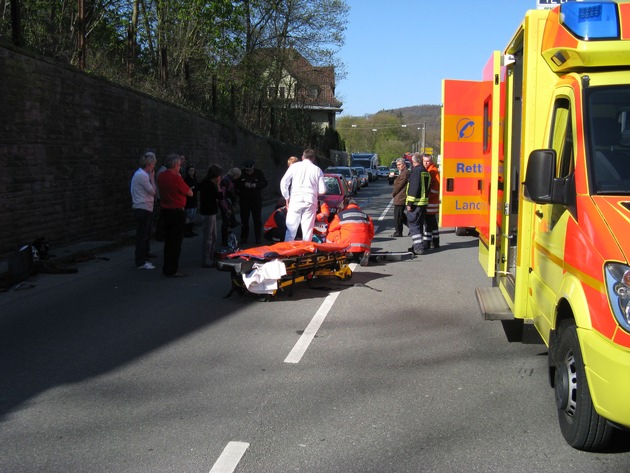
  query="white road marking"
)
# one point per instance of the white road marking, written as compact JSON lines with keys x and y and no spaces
{"x":228,"y":461}
{"x":307,"y":337}
{"x":389,"y":206}
{"x":311,"y":330}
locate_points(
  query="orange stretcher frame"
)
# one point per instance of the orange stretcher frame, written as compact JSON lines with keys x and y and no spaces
{"x":303,"y":261}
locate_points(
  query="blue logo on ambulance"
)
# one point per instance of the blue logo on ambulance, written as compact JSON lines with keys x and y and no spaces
{"x":465,"y":128}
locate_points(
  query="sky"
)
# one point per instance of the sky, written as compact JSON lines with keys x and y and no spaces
{"x":398,"y":51}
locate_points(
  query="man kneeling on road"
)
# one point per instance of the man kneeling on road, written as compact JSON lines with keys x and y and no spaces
{"x":354,"y":228}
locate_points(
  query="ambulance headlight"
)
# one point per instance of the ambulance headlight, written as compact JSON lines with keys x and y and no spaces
{"x":618,"y":288}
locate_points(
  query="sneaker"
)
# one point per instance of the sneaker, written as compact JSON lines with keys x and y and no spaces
{"x":365,"y":258}
{"x":396,"y":235}
{"x":146,"y":265}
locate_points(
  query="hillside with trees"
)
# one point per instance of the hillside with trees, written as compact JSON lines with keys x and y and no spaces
{"x":391,"y":133}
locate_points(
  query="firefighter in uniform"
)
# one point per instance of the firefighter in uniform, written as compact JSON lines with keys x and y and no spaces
{"x":417,"y":202}
{"x":354,"y":228}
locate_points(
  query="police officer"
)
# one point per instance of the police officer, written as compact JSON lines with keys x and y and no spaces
{"x":250,"y":186}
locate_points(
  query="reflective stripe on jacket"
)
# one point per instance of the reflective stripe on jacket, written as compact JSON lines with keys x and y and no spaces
{"x":418,"y":186}
{"x":352,"y":227}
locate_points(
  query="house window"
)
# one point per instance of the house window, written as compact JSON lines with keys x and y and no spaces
{"x":272,"y":92}
{"x":282,"y":93}
{"x":313,"y":92}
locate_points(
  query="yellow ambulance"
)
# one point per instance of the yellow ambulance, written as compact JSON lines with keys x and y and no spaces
{"x":536,"y":157}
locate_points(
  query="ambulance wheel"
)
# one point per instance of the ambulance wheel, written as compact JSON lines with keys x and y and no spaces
{"x":582,"y":427}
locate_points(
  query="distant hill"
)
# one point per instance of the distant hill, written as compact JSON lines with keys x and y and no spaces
{"x":391,"y":140}
{"x":431,"y":114}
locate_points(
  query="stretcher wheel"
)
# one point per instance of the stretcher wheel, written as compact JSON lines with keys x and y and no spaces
{"x":344,"y":274}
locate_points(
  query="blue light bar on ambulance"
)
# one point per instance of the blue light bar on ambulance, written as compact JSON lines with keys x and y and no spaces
{"x":591,"y":20}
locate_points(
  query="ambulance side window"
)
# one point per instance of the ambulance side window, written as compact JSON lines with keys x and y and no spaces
{"x":561,"y":138}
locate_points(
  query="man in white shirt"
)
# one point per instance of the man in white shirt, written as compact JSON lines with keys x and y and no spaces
{"x":143,"y":190}
{"x":301,"y":186}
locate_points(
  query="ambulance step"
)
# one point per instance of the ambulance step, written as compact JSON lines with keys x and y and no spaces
{"x":492,"y":304}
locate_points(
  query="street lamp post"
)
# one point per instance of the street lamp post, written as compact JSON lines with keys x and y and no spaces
{"x":424,"y":135}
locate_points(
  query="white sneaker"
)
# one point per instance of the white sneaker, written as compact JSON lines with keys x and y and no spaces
{"x":146,"y":265}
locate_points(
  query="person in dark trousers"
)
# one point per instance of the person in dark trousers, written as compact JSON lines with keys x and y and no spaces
{"x":143,"y":196}
{"x":173,"y":193}
{"x":417,"y":201}
{"x":228,"y":203}
{"x":209,"y":197}
{"x":249,"y":187}
{"x":399,"y":194}
{"x":157,"y":209}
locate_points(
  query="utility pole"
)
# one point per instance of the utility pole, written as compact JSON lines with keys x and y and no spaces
{"x":424,"y":135}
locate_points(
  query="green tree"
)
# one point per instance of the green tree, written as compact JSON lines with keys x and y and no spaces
{"x":194,"y":52}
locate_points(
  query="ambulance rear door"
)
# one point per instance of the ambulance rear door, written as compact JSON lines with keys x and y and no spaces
{"x":467,"y":171}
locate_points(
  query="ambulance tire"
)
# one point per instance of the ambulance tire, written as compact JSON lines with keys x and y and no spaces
{"x":582,"y":427}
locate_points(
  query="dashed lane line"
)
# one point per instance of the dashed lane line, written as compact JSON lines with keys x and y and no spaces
{"x":229,"y":459}
{"x":311,"y":330}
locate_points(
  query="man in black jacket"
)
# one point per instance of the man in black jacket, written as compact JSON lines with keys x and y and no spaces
{"x":249,"y":187}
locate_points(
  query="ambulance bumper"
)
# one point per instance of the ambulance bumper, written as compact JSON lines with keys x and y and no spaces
{"x":608,"y":374}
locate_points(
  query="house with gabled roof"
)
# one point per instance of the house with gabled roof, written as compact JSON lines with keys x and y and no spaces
{"x":290,"y":77}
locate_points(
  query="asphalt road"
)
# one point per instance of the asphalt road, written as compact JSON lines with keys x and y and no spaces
{"x":114,"y":369}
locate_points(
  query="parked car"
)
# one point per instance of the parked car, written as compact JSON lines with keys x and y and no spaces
{"x":393,"y":172}
{"x":364,"y":178}
{"x":351,"y":176}
{"x":382,"y":171}
{"x":337,"y":192}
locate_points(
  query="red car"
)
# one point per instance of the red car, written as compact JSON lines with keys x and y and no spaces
{"x":337,"y":192}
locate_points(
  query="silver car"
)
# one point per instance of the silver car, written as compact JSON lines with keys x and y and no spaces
{"x":364,"y":178}
{"x":382,"y":171}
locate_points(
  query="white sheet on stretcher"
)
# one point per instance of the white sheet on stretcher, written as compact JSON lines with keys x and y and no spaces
{"x":263,"y":278}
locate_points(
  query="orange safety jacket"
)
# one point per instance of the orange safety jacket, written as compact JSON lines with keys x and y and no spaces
{"x":272,"y":221}
{"x":324,"y":212}
{"x":434,"y":190}
{"x":352,"y":227}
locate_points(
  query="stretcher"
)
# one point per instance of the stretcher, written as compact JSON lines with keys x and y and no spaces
{"x":268,"y":269}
